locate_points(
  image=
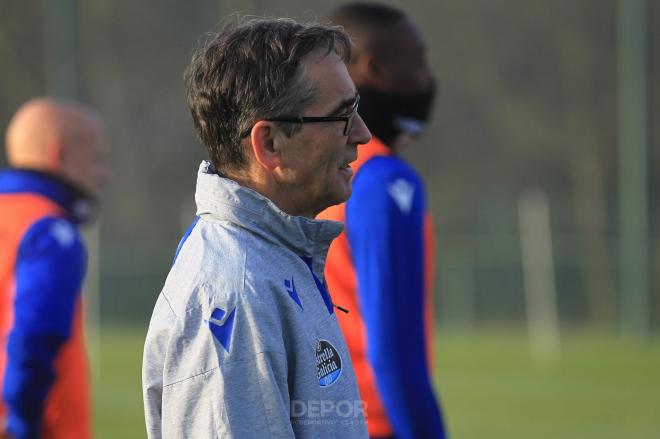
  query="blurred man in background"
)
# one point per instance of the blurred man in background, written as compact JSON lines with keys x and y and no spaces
{"x":56,"y":151}
{"x":380,"y":267}
{"x":243,"y":341}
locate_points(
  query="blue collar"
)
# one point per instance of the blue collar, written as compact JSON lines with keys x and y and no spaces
{"x":78,"y":205}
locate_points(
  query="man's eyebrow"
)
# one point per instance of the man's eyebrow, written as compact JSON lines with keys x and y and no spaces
{"x":346,"y":103}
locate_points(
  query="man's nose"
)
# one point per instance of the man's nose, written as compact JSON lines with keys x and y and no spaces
{"x":360,"y":133}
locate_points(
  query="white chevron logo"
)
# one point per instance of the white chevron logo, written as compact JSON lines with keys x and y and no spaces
{"x":63,"y":232}
{"x":403,"y":192}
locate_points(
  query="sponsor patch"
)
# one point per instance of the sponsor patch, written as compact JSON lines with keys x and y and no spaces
{"x":328,"y":363}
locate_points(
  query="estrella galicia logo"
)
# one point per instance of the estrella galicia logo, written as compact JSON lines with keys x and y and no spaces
{"x":328,"y":363}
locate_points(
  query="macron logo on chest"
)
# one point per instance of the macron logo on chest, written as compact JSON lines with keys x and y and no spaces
{"x":403,"y":193}
{"x":291,"y":289}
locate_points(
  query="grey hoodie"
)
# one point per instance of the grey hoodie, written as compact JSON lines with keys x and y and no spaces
{"x":243,"y":341}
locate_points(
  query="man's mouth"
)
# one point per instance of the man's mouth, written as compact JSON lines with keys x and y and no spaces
{"x":346,"y":166}
{"x":347,"y":163}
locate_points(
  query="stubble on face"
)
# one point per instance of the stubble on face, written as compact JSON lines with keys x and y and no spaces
{"x":317,"y":157}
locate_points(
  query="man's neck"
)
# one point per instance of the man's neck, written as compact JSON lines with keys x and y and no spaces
{"x":267,"y":186}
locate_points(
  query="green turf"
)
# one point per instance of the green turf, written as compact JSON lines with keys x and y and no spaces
{"x":118,"y":411}
{"x":602,"y":387}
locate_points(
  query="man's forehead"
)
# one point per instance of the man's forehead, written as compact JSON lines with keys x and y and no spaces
{"x":328,"y":74}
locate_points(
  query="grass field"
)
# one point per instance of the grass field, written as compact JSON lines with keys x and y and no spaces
{"x":602,"y":387}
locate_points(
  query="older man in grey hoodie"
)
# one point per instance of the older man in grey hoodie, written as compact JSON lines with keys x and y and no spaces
{"x":244,"y":341}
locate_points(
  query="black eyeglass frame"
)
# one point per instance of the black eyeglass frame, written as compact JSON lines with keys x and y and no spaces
{"x":347,"y":118}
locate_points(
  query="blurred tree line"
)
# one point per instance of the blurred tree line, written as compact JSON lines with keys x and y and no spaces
{"x":527,"y":98}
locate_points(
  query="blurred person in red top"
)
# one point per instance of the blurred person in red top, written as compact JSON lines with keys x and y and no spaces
{"x":380,"y":266}
{"x":56,"y":153}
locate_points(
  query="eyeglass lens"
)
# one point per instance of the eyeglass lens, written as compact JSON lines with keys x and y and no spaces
{"x":349,"y":122}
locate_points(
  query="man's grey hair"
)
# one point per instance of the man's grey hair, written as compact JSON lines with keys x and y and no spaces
{"x":251,"y":71}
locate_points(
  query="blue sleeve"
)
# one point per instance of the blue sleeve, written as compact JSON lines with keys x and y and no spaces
{"x":50,"y":266}
{"x":385,"y":226}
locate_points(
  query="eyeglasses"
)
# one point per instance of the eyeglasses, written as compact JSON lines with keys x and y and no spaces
{"x":346,"y":118}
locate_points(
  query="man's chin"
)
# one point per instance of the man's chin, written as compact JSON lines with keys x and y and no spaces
{"x":340,"y":197}
{"x":345,"y":194}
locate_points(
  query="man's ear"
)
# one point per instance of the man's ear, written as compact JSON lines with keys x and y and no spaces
{"x":264,"y":145}
{"x":358,"y":68}
{"x":366,"y":68}
{"x":54,"y":155}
